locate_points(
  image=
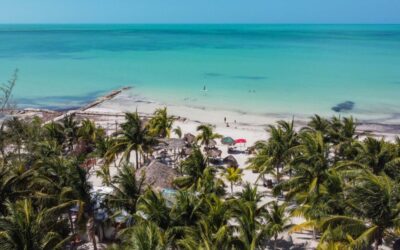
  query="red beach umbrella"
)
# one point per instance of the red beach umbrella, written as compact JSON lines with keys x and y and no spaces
{"x":240,"y":140}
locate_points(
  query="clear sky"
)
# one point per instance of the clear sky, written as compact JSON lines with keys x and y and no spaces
{"x":199,"y":11}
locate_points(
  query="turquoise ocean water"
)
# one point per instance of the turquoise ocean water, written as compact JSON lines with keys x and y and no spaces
{"x":291,"y":69}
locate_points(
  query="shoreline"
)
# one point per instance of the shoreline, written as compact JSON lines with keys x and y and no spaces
{"x":125,"y":102}
{"x":115,"y":103}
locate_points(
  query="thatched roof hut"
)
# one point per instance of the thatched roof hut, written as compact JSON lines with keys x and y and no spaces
{"x":212,"y":144}
{"x":173,"y":143}
{"x":187,"y":151}
{"x":157,"y":175}
{"x":231,"y":161}
{"x":189,"y":138}
{"x":214,"y":153}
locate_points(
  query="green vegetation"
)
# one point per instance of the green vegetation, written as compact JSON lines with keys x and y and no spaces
{"x":347,"y":189}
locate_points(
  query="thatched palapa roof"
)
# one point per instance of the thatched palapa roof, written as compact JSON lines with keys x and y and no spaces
{"x":230,"y":161}
{"x":157,"y":175}
{"x":212,"y":144}
{"x":214,"y":153}
{"x":189,"y":138}
{"x":173,"y":143}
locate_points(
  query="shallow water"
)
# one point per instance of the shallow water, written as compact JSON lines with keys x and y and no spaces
{"x":291,"y":69}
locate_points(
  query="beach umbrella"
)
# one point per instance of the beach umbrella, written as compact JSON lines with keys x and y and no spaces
{"x":230,"y":161}
{"x":227,"y":141}
{"x":240,"y":140}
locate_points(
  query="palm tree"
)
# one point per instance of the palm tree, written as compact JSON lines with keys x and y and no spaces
{"x":25,"y":228}
{"x":277,"y":220}
{"x":377,"y":155}
{"x":218,"y":213}
{"x":54,"y":131}
{"x":79,"y":183}
{"x":154,"y":206}
{"x":178,"y":131}
{"x":206,"y":135}
{"x":144,"y":236}
{"x":47,"y":149}
{"x":134,"y":136}
{"x":212,"y":230}
{"x":88,"y":134}
{"x":307,"y":187}
{"x":161,"y":124}
{"x":318,"y":124}
{"x":251,"y":233}
{"x":274,"y":154}
{"x":250,"y":194}
{"x":188,"y":208}
{"x":193,"y":168}
{"x":70,"y":128}
{"x":208,"y":183}
{"x":375,"y":203}
{"x":13,"y":184}
{"x":126,"y":190}
{"x":17,"y":134}
{"x":203,"y":237}
{"x":313,"y":160}
{"x":3,"y":142}
{"x":233,"y":175}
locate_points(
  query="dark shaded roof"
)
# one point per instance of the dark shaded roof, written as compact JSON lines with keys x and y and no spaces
{"x":231,"y":161}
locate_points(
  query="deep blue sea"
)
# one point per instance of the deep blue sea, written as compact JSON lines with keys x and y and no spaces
{"x":291,"y":69}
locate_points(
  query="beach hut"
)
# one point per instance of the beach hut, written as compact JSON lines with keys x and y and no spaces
{"x":230,"y":161}
{"x":187,"y":151}
{"x":227,"y":141}
{"x":173,"y":143}
{"x":157,"y":175}
{"x":214,"y":153}
{"x":189,"y":138}
{"x":212,"y":144}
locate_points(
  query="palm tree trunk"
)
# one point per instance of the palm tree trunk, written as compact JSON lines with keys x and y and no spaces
{"x":275,"y":240}
{"x":91,"y":232}
{"x":377,"y":243}
{"x":19,"y":152}
{"x":137,"y":159}
{"x":314,"y":233}
{"x":278,"y":178}
{"x":71,"y":222}
{"x":232,"y":188}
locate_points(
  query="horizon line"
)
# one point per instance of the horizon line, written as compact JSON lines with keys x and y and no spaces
{"x":199,"y":23}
